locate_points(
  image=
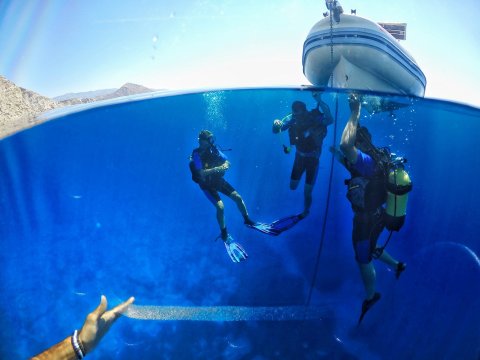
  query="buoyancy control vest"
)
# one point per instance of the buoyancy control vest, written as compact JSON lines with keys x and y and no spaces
{"x":390,"y":184}
{"x":366,"y":194}
{"x":206,"y":159}
{"x":307,"y":134}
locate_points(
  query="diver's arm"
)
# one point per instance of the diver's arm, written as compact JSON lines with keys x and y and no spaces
{"x":327,"y":115}
{"x":282,"y":125}
{"x":96,"y":325}
{"x":338,"y":155}
{"x":61,"y":351}
{"x":349,"y":135}
{"x":217,"y":169}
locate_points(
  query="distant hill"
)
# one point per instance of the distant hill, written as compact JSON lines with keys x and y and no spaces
{"x":126,"y":90}
{"x":84,"y":95}
{"x":19,"y":107}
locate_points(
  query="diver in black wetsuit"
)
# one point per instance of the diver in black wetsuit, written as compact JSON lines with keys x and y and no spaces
{"x":367,"y":193}
{"x":306,"y":130}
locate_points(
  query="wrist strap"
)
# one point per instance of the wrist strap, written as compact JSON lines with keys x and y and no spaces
{"x":77,"y":346}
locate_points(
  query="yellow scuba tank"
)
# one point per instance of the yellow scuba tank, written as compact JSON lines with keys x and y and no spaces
{"x":398,"y":187}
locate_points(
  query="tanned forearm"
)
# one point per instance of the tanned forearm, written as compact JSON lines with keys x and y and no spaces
{"x":218,"y":169}
{"x":349,"y":135}
{"x":61,"y":351}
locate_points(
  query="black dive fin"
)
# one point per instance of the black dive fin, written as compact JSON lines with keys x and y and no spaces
{"x":367,"y":305}
{"x":278,"y":226}
{"x":286,"y":223}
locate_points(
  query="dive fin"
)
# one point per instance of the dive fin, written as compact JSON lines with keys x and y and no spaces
{"x":264,"y":228}
{"x":286,"y":223}
{"x":367,"y":305}
{"x":278,"y":226}
{"x":234,"y":250}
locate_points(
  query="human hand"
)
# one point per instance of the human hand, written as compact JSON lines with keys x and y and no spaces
{"x":317,"y":95}
{"x":277,"y":126}
{"x":287,"y":149}
{"x":354,"y":103}
{"x":98,"y":323}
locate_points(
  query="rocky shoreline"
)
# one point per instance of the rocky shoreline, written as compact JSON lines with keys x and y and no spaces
{"x":19,"y":107}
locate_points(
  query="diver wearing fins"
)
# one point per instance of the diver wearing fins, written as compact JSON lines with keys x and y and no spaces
{"x":208,"y":165}
{"x":306,"y":130}
{"x":367,"y":193}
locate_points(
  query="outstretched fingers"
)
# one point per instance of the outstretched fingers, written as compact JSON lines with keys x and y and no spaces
{"x":100,"y":310}
{"x":117,"y":311}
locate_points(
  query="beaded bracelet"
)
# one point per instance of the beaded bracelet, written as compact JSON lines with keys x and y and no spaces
{"x":77,"y":347}
{"x":80,"y":344}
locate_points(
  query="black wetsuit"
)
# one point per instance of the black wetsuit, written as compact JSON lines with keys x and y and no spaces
{"x":367,"y":194}
{"x":306,"y":132}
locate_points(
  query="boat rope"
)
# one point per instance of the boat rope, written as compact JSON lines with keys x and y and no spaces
{"x":331,"y":43}
{"x":327,"y":206}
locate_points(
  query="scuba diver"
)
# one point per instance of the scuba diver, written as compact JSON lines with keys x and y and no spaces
{"x":306,"y":130}
{"x":372,"y":170}
{"x":335,"y":9}
{"x":208,"y":166}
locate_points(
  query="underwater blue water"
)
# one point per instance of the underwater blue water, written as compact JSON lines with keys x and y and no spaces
{"x":101,"y":201}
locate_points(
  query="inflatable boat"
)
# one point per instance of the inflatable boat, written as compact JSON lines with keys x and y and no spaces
{"x":352,"y":52}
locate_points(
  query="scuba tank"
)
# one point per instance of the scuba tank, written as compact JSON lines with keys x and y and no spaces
{"x":398,"y":187}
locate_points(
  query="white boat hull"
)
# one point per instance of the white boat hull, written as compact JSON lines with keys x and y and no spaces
{"x":359,"y":54}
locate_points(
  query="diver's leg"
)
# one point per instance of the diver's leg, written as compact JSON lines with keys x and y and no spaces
{"x":213,"y":196}
{"x":297,"y":171}
{"x":307,"y":203}
{"x":388,"y":259}
{"x":220,"y":214}
{"x":230,"y":191}
{"x":381,"y":254}
{"x":394,"y":264}
{"x":367,"y":271}
{"x":235,"y":196}
{"x":363,"y":246}
{"x":294,"y":184}
{"x":311,"y":172}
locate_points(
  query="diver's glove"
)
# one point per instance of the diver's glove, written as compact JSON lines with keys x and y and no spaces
{"x":277,"y":126}
{"x":287,"y":149}
{"x":235,"y":250}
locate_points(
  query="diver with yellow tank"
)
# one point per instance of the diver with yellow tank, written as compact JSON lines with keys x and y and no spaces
{"x":378,"y":192}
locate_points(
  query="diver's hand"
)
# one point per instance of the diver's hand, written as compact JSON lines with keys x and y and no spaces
{"x":317,"y":95}
{"x":277,"y":126}
{"x":98,"y":323}
{"x":354,"y":102}
{"x":235,"y":250}
{"x":287,"y":149}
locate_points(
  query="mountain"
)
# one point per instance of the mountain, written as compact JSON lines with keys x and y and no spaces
{"x":19,"y":107}
{"x":105,"y":94}
{"x":84,"y":95}
{"x":126,"y":90}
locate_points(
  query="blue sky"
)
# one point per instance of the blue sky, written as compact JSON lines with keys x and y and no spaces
{"x":55,"y":46}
